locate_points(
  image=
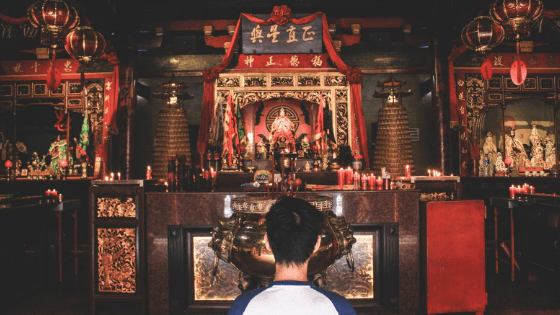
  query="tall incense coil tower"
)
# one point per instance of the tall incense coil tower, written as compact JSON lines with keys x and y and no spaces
{"x":172,"y":132}
{"x":393,"y":149}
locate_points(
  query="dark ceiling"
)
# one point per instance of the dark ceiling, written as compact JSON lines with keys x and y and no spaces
{"x":133,"y":20}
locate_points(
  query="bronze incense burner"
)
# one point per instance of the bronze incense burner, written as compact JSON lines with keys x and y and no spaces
{"x":239,"y":240}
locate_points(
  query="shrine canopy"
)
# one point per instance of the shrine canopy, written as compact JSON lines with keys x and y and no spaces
{"x":281,"y":16}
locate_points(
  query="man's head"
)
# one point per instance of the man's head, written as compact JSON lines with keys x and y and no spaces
{"x":293,"y":227}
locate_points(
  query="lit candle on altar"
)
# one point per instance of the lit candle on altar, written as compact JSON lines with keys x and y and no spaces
{"x":364,"y":181}
{"x":119,"y":175}
{"x":212,"y":172}
{"x":379,"y":183}
{"x":107,"y":178}
{"x":166,"y":187}
{"x":112,"y":176}
{"x":149,"y":173}
{"x":54,"y":192}
{"x":341,"y":176}
{"x":512,"y":192}
{"x":349,"y":178}
{"x":532,"y":189}
{"x":371,"y":182}
{"x":429,"y":173}
{"x":407,"y":171}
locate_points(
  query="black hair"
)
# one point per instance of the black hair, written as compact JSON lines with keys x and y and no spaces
{"x":292,"y":226}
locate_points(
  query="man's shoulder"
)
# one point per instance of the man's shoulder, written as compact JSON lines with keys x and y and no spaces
{"x":240,"y":304}
{"x":341,"y":304}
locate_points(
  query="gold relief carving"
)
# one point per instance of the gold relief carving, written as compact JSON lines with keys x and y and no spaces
{"x":246,"y":98}
{"x":94,"y":107}
{"x":116,"y":208}
{"x":255,"y":81}
{"x":341,"y":96}
{"x":228,"y":82}
{"x":282,"y":81}
{"x":335,"y":81}
{"x":207,"y":287}
{"x":116,"y":260}
{"x":341,"y":123}
{"x":476,"y":105}
{"x":475,"y":93}
{"x":357,"y":284}
{"x":309,"y":81}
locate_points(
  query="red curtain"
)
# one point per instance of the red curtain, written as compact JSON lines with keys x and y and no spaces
{"x":354,"y":76}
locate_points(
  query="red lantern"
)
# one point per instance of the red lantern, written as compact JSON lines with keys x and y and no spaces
{"x":54,"y":18}
{"x":85,"y":44}
{"x":482,"y":34}
{"x":516,"y":16}
{"x":8,"y":164}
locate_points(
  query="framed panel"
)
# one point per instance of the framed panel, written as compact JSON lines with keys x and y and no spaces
{"x":495,"y":97}
{"x":530,"y":84}
{"x":74,"y":88}
{"x":40,"y":89}
{"x":510,"y":85}
{"x":75,"y":102}
{"x":23,"y":89}
{"x":5,"y":104}
{"x":546,"y":83}
{"x":495,"y":84}
{"x":6,"y":90}
{"x":60,"y":91}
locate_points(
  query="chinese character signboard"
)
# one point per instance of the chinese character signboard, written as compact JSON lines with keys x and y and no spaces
{"x":275,"y":39}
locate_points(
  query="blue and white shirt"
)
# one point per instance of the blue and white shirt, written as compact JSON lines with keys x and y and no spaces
{"x":290,"y":297}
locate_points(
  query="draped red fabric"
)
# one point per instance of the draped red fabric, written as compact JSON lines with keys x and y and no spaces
{"x":11,"y":20}
{"x":551,"y":14}
{"x":354,"y":76}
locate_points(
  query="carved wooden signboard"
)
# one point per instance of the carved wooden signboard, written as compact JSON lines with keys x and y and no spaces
{"x":277,"y":39}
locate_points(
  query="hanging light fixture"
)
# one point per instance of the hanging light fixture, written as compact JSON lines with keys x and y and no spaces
{"x":481,"y":35}
{"x":85,"y":44}
{"x":55,"y":18}
{"x":516,"y":16}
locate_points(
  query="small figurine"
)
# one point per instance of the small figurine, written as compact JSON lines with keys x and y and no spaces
{"x":489,"y":149}
{"x":550,"y":151}
{"x":261,"y":150}
{"x":537,"y":154}
{"x":500,"y":166}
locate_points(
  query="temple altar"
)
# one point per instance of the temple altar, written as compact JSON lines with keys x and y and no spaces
{"x":175,"y":220}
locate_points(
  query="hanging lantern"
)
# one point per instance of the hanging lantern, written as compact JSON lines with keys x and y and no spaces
{"x":55,"y":18}
{"x":516,"y":16}
{"x":85,"y":44}
{"x":481,"y":35}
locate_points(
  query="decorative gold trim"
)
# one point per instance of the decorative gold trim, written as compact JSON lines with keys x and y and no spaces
{"x":228,"y":82}
{"x":246,"y":98}
{"x":335,"y":81}
{"x":282,"y":81}
{"x":309,"y":81}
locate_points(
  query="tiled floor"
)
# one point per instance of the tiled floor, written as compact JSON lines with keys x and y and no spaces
{"x":504,"y":297}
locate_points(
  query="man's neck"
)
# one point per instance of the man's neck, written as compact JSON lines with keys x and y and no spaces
{"x":291,"y":272}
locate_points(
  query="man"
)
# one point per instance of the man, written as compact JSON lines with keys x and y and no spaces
{"x":293,"y":229}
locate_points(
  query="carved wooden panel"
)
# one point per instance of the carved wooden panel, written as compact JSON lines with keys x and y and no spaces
{"x":116,"y":208}
{"x":116,"y":260}
{"x":282,"y":81}
{"x":228,"y":82}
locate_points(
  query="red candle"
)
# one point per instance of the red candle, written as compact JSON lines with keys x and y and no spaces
{"x":371,"y":182}
{"x":364,"y":182}
{"x":341,"y":177}
{"x":349,"y":176}
{"x":149,"y":173}
{"x":532,"y":189}
{"x":512,"y":192}
{"x":407,"y":171}
{"x":525,"y":188}
{"x":379,"y":183}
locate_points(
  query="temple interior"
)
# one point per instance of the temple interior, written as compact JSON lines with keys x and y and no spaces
{"x":143,"y":142}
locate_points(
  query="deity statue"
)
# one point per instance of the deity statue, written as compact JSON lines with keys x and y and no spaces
{"x":305,"y":146}
{"x":550,"y":151}
{"x":515,"y":150}
{"x":261,"y":150}
{"x":500,"y":166}
{"x":58,"y":151}
{"x":489,"y":149}
{"x":282,"y":127}
{"x":537,"y":154}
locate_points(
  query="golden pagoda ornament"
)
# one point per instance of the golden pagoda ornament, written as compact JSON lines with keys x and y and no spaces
{"x":172,"y":132}
{"x":393,"y":149}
